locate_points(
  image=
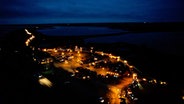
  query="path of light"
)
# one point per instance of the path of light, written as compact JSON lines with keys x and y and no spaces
{"x":28,"y":32}
{"x":29,"y":39}
{"x":116,"y":90}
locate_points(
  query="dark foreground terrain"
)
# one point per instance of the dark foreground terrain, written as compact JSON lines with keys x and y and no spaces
{"x":19,"y":85}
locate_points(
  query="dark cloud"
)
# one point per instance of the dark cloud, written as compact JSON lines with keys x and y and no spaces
{"x":122,"y":10}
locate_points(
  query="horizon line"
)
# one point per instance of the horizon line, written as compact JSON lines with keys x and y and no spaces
{"x":75,"y":23}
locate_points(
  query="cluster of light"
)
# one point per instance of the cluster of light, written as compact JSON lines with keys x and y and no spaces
{"x":108,"y":54}
{"x":86,"y":77}
{"x":156,"y":82}
{"x":161,"y":82}
{"x":46,"y":61}
{"x":153,"y":81}
{"x":112,"y":73}
{"x":78,"y":49}
{"x":73,"y":60}
{"x":70,"y":61}
{"x":101,"y":100}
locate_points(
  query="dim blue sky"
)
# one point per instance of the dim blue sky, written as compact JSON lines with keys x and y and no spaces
{"x":87,"y":11}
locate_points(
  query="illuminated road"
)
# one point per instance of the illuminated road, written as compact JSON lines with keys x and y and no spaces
{"x":117,"y":91}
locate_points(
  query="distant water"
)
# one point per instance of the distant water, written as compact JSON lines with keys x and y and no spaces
{"x":169,"y":42}
{"x":78,"y":30}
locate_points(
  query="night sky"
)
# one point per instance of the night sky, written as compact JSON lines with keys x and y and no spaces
{"x":90,"y":11}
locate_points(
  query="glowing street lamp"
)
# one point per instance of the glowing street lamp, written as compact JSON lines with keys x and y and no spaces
{"x":134,"y":76}
{"x":125,"y":61}
{"x":131,"y":67}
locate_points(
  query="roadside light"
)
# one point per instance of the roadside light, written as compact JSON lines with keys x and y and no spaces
{"x":55,"y":50}
{"x":144,"y":79}
{"x":134,"y":76}
{"x":66,"y":62}
{"x":128,"y":74}
{"x":44,"y":49}
{"x":125,"y":61}
{"x":130,"y":67}
{"x":93,"y":63}
{"x":163,"y":83}
{"x":155,"y":81}
{"x":95,"y":58}
{"x":62,"y":53}
{"x":80,"y":49}
{"x":84,"y":77}
{"x":101,"y":100}
{"x":102,"y":54}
